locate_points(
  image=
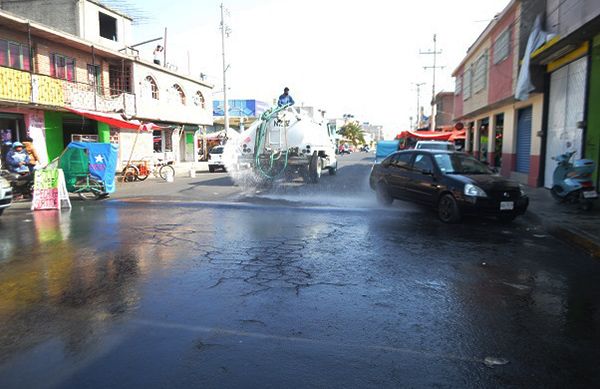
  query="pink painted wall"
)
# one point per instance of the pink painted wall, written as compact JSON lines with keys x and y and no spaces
{"x":502,"y":74}
{"x":458,"y":99}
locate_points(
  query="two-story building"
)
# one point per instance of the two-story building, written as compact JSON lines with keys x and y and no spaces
{"x":74,"y":56}
{"x":500,"y":129}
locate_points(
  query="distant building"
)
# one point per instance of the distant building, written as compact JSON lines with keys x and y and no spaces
{"x":374,"y":132}
{"x":444,"y":109}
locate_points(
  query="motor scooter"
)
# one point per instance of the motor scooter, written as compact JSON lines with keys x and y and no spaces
{"x":22,"y":184}
{"x":572,"y":181}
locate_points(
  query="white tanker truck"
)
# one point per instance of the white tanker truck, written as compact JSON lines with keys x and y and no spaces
{"x":286,"y":142}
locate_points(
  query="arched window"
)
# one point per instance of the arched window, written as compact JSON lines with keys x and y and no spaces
{"x":199,"y":100}
{"x":179,"y":91}
{"x":152,"y":87}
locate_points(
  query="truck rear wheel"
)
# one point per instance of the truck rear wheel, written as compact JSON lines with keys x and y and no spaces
{"x":315,"y":169}
{"x":333,"y":169}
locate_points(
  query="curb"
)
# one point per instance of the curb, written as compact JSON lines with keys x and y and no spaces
{"x":567,"y":235}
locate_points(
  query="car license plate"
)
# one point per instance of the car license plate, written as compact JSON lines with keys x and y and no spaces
{"x":507,"y":206}
{"x":590,"y":194}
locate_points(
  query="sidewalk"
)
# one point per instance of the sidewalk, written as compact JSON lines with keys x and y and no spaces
{"x":566,"y":221}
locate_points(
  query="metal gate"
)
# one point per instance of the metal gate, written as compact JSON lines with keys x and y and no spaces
{"x":524,"y":139}
{"x":566,"y":109}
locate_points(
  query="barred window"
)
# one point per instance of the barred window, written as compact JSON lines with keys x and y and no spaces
{"x":467,"y":78}
{"x":179,"y":94}
{"x":502,"y":46}
{"x":152,"y":87}
{"x":480,"y":76}
{"x":14,"y":55}
{"x":199,"y":100}
{"x":458,"y":85}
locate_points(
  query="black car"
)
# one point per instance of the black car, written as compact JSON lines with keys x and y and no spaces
{"x":455,"y":183}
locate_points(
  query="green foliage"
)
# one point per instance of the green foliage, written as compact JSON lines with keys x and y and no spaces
{"x":352,"y":132}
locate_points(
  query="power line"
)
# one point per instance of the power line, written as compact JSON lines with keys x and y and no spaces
{"x":435,"y":53}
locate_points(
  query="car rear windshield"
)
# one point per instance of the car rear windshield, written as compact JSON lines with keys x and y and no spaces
{"x":460,"y":164}
{"x":217,"y":150}
{"x":436,"y":146}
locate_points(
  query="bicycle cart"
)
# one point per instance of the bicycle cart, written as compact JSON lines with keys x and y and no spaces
{"x":89,"y":169}
{"x":141,"y":170}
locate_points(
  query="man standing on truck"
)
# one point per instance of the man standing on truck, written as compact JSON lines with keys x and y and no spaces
{"x":285,"y":98}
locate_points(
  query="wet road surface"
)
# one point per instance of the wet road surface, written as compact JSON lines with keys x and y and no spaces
{"x":294,"y":287}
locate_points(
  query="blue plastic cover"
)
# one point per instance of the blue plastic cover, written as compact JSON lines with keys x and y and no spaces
{"x":103,"y":161}
{"x":385,"y":148}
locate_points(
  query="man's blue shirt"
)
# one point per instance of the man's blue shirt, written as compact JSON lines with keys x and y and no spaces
{"x":285,"y":100}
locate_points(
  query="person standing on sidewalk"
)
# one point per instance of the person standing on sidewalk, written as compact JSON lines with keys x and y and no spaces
{"x":30,"y":149}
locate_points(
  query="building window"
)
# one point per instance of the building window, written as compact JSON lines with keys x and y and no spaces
{"x":458,"y":85}
{"x":502,"y":46}
{"x":152,"y":87}
{"x":108,"y":27}
{"x":480,"y":76}
{"x":467,"y":76}
{"x":179,"y":94}
{"x":199,"y":100}
{"x":15,"y":55}
{"x":62,"y":67}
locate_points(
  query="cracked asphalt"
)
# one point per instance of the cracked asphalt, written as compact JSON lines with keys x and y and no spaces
{"x":293,"y":286}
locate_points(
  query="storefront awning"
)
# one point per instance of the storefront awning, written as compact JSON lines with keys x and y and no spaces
{"x":115,"y":120}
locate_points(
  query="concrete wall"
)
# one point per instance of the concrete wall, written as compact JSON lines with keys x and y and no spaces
{"x":503,"y":74}
{"x":61,"y":15}
{"x":168,"y":108}
{"x":566,"y":16}
{"x":90,"y":26}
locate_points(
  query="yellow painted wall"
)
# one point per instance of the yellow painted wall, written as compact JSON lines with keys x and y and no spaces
{"x":15,"y":85}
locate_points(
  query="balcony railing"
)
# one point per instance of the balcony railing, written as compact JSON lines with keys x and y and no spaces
{"x":24,"y":87}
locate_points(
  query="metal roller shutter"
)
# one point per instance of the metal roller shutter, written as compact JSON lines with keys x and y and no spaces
{"x":524,"y":139}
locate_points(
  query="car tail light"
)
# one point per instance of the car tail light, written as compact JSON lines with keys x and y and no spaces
{"x":587,"y":184}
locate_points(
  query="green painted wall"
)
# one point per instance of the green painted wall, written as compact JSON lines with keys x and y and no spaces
{"x":592,"y":140}
{"x":54,"y":134}
{"x":189,"y":138}
{"x":103,"y":133}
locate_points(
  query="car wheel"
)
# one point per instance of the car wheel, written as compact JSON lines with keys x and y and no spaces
{"x":383,"y":194}
{"x":211,"y":169}
{"x":1,"y":211}
{"x":448,"y":211}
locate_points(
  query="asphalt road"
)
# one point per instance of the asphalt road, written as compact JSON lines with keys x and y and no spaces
{"x":203,"y":283}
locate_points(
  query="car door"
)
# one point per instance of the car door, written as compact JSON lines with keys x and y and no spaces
{"x":397,"y":177}
{"x":422,"y":184}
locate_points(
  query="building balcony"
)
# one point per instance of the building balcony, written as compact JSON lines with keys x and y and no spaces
{"x":25,"y":88}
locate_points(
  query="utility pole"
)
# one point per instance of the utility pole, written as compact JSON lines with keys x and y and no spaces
{"x":225,"y":31}
{"x":418,"y":121}
{"x":435,"y":53}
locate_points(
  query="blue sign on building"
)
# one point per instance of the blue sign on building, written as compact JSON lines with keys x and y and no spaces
{"x":240,"y":108}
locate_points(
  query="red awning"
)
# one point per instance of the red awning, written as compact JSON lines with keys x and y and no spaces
{"x":431,"y":135}
{"x":115,"y":120}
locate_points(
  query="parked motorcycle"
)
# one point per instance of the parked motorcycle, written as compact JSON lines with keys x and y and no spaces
{"x":21,"y":184}
{"x":572,"y":181}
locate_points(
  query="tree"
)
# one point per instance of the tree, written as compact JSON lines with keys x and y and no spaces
{"x":353,"y":133}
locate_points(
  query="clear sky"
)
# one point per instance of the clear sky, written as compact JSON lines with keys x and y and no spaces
{"x":344,"y":56}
